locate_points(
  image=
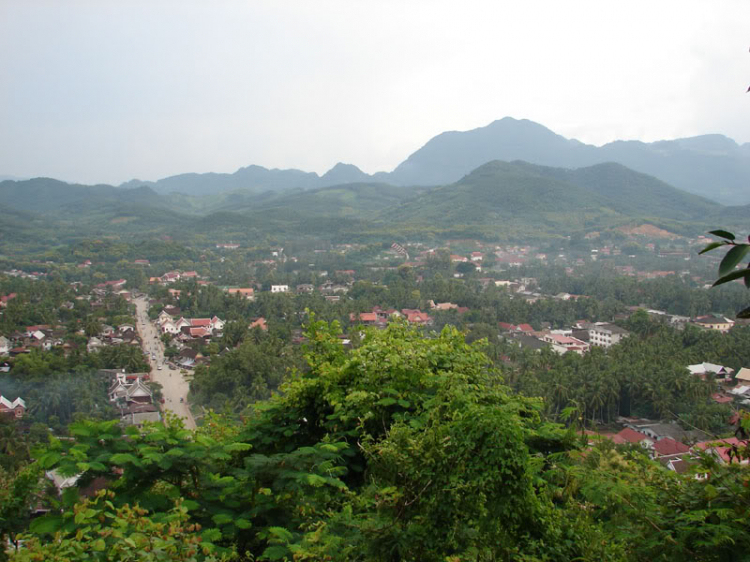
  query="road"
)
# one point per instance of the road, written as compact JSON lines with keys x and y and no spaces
{"x":174,"y":386}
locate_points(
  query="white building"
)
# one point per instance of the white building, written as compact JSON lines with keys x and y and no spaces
{"x":603,"y":334}
{"x":279,"y":288}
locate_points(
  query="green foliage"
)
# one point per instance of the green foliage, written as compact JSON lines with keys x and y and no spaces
{"x":730,"y":261}
{"x":98,"y":530}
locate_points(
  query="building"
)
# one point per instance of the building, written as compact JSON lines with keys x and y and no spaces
{"x":702,"y":370}
{"x":711,"y":322}
{"x":279,"y":288}
{"x":563,"y":344}
{"x":17,"y":408}
{"x":743,"y":375}
{"x":604,"y":334}
{"x":247,"y":292}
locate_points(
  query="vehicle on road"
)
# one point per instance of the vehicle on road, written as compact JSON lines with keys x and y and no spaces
{"x":159,"y":367}
{"x":182,"y":400}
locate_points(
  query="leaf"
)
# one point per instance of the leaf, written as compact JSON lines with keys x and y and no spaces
{"x":233,"y":447}
{"x":274,"y":553}
{"x":281,"y":533}
{"x":733,"y":258}
{"x":211,"y":534}
{"x":99,"y":545}
{"x":744,"y":314}
{"x":386,"y":402}
{"x":722,"y":234}
{"x":739,"y":274}
{"x":222,"y":518}
{"x":47,"y":524}
{"x":712,"y":246}
{"x":243,"y":523}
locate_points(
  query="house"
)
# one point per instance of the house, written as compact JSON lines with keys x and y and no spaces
{"x":563,"y":344}
{"x":247,"y":292}
{"x":720,"y":398}
{"x":142,"y":262}
{"x":366,"y":318}
{"x":5,"y":298}
{"x":712,"y":322}
{"x":415,"y":316}
{"x":743,"y":375}
{"x":477,"y":256}
{"x":633,"y":437}
{"x":604,"y":334}
{"x":164,"y":316}
{"x":137,"y":414}
{"x":704,"y":369}
{"x":190,"y":275}
{"x":128,"y":389}
{"x":94,"y":344}
{"x":170,"y":277}
{"x":17,"y":408}
{"x":443,"y":306}
{"x":658,"y":431}
{"x":668,"y":447}
{"x":4,"y":345}
{"x":259,"y":323}
{"x":723,"y":449}
{"x":279,"y":288}
{"x":305,"y":288}
{"x":227,"y":246}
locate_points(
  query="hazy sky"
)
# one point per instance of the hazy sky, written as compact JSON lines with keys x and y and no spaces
{"x":105,"y":91}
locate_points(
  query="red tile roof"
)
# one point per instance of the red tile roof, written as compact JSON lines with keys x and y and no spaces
{"x":667,"y":446}
{"x":631,"y":436}
{"x":723,"y":452}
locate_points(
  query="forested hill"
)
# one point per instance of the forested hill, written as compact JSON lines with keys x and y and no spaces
{"x":45,"y":194}
{"x":498,"y":200}
{"x":713,"y":166}
{"x":534,"y":200}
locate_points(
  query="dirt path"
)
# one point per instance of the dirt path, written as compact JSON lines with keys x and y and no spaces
{"x":174,"y":386}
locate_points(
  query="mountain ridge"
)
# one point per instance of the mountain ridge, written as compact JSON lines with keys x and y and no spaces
{"x":711,"y":165}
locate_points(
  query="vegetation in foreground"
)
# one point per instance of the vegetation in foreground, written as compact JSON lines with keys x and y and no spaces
{"x":402,"y":449}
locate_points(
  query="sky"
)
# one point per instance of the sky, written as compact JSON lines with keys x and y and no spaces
{"x":104,"y":91}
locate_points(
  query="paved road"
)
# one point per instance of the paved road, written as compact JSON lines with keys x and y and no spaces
{"x":174,"y":386}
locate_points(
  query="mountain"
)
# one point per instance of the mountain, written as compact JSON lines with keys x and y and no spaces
{"x":631,"y":192}
{"x":253,"y":179}
{"x":713,"y":166}
{"x":42,"y":195}
{"x":518,"y":199}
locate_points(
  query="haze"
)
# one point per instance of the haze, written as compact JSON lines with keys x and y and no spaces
{"x":103,"y":91}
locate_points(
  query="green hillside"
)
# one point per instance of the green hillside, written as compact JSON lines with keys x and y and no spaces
{"x":520,"y":200}
{"x":632,"y":192}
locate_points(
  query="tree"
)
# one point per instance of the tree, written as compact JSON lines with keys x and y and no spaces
{"x":728,"y":268}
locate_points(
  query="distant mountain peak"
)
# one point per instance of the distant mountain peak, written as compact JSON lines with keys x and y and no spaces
{"x":344,"y":173}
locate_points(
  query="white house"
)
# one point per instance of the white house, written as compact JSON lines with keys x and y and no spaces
{"x":279,"y":288}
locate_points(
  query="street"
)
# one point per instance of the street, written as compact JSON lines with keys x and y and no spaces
{"x":174,"y":387}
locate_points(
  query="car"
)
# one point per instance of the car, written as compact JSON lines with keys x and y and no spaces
{"x":182,"y":400}
{"x":159,"y":367}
